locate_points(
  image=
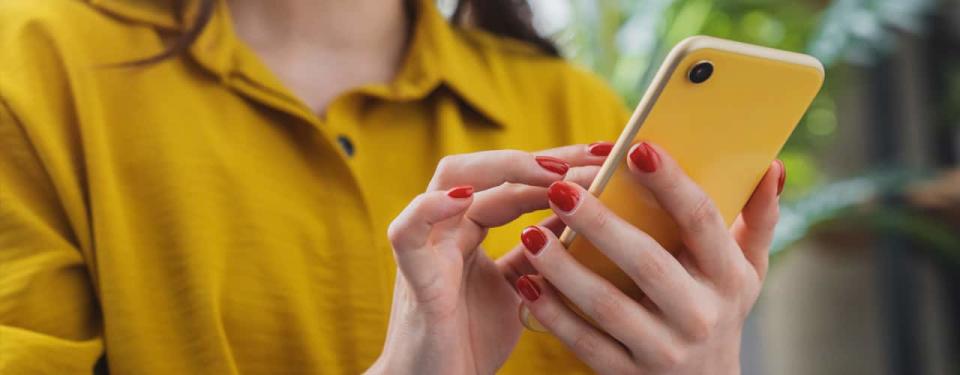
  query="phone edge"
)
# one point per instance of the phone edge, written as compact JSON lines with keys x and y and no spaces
{"x":633,"y":126}
{"x":660,"y":80}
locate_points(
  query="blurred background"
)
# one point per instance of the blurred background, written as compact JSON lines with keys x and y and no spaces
{"x":866,"y":269}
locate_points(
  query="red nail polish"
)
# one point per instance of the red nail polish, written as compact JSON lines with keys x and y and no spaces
{"x":460,"y":192}
{"x":533,"y":239}
{"x":554,"y":165}
{"x":528,"y":288}
{"x":600,"y":148}
{"x":563,"y":195}
{"x":783,"y":177}
{"x":645,"y":158}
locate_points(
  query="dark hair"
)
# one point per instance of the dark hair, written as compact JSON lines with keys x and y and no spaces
{"x":509,"y":18}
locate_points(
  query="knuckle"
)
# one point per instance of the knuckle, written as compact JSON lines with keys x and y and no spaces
{"x":518,"y":195}
{"x":600,"y":220}
{"x":449,"y":161}
{"x":703,"y":215}
{"x":587,"y":344}
{"x":703,"y":323}
{"x":645,"y":266}
{"x":743,"y":279}
{"x":513,"y":189}
{"x":767,"y":222}
{"x":551,"y":318}
{"x":416,"y":206}
{"x":398,"y":229}
{"x":447,"y":166}
{"x":740,"y":275}
{"x":668,"y":358}
{"x":517,"y":164}
{"x":748,"y":300}
{"x":606,"y":308}
{"x":582,"y":176}
{"x":774,"y":218}
{"x":516,"y":155}
{"x":671,"y":183}
{"x":443,"y":165}
{"x":395,"y":233}
{"x":732,"y":286}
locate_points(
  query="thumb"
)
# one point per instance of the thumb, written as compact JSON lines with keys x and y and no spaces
{"x":410,"y":233}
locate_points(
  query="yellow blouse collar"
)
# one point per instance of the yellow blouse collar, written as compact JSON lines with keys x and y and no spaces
{"x":438,"y":54}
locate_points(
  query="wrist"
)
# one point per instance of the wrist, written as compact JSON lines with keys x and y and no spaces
{"x":421,"y":340}
{"x":729,"y":361}
{"x":414,"y":349}
{"x":393,"y":361}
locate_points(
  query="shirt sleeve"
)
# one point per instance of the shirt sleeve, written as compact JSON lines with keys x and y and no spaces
{"x":49,"y":319}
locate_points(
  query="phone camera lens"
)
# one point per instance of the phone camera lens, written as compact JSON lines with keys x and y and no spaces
{"x":701,"y":72}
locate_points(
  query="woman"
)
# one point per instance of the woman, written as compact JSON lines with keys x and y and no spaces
{"x":205,"y":187}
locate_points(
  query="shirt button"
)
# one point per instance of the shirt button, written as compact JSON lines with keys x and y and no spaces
{"x":345,"y":144}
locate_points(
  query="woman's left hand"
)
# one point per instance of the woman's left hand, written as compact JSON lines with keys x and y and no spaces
{"x":696,"y":302}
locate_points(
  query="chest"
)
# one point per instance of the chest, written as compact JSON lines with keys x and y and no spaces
{"x":252,"y":217}
{"x":214,"y":186}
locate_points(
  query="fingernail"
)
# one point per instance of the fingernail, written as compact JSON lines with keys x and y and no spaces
{"x":528,"y":289}
{"x":783,"y":177}
{"x":563,"y":195}
{"x":553,"y":164}
{"x":533,"y":239}
{"x":460,"y":192}
{"x":645,"y":157}
{"x":600,"y":148}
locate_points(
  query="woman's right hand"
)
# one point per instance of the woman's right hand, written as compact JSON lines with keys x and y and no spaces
{"x":454,"y":309}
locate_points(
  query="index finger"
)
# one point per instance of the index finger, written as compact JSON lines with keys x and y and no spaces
{"x":487,"y":169}
{"x":580,"y":154}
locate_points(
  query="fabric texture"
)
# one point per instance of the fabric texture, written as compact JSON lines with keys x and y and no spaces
{"x":194,"y":217}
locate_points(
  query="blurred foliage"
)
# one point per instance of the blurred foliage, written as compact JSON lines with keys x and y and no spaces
{"x":951,"y":101}
{"x":872,"y":202}
{"x":625,"y":41}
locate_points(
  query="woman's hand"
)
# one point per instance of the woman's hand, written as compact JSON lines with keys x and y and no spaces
{"x":454,"y":309}
{"x":691,"y":319}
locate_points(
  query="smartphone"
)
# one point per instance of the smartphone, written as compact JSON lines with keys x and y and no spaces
{"x":723,"y":110}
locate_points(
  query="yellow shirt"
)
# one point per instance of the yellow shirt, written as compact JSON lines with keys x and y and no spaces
{"x":194,"y":217}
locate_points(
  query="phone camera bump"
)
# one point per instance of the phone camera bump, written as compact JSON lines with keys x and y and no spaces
{"x":701,"y":72}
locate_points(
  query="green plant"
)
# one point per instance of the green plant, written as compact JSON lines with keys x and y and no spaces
{"x":870,"y":203}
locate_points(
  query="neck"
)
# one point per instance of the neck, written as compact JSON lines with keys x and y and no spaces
{"x":372,"y":25}
{"x":322,"y":48}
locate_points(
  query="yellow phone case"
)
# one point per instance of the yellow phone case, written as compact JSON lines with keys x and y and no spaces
{"x":724,"y":133}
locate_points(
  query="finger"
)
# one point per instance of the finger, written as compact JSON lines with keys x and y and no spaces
{"x":503,"y":204}
{"x":487,"y":169}
{"x":753,"y":229}
{"x":554,"y":225}
{"x":658,"y":273}
{"x":582,"y":176}
{"x":514,"y":264}
{"x":615,"y":313}
{"x":596,"y":349}
{"x":578,"y":155}
{"x":411,"y":230}
{"x":702,"y":228}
